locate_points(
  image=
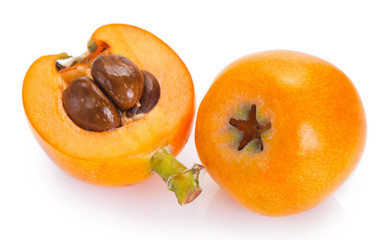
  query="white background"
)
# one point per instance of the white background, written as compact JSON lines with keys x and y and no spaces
{"x":39,"y":201}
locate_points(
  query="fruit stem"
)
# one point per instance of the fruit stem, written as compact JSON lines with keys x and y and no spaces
{"x":182,"y":181}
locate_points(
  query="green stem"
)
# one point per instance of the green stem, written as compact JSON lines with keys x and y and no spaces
{"x":182,"y":181}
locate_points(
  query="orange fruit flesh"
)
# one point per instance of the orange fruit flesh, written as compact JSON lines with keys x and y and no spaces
{"x":317,"y":136}
{"x":120,"y":156}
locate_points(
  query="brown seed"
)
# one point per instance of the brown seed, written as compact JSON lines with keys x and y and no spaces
{"x":119,"y":78}
{"x":80,"y":102}
{"x":150,"y":96}
{"x":151,"y":92}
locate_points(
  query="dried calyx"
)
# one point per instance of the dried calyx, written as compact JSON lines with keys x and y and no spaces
{"x":251,"y":128}
{"x":113,"y":93}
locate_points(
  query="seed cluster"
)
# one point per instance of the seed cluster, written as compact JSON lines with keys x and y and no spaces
{"x":117,"y":86}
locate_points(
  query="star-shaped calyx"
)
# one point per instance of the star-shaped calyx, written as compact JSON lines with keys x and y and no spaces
{"x":252,"y":128}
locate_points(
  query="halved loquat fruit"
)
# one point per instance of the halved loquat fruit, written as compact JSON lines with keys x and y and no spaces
{"x":280,"y":131}
{"x":117,"y":113}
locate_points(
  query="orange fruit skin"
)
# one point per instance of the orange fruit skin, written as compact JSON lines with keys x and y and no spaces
{"x":316,"y":140}
{"x":122,"y":156}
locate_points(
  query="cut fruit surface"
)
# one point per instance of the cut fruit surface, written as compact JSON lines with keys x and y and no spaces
{"x":120,"y":156}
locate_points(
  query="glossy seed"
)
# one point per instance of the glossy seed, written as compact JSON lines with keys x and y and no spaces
{"x":88,"y":107}
{"x":119,"y":78}
{"x":150,"y":96}
{"x":151,"y":92}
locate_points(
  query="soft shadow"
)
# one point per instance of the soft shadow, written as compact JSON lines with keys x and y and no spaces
{"x":225,"y":213}
{"x":148,"y":202}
